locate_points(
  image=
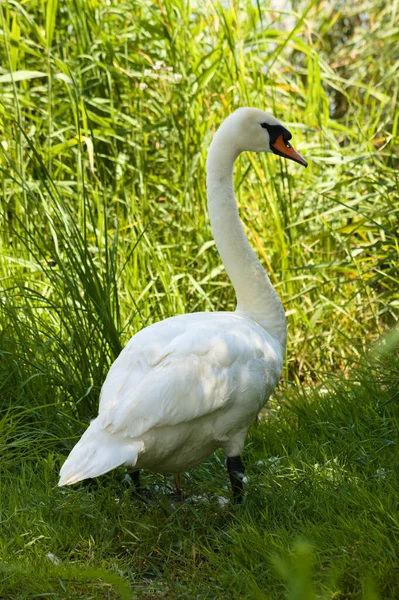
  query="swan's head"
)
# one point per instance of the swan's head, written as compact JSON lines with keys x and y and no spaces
{"x":251,"y":129}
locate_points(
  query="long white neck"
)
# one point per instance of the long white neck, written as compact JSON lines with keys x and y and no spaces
{"x":256,"y":297}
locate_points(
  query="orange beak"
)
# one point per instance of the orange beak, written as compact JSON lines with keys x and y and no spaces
{"x":285,"y":149}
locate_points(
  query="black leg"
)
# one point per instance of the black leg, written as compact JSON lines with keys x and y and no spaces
{"x":135,"y":477}
{"x":237,"y":477}
{"x":177,"y":478}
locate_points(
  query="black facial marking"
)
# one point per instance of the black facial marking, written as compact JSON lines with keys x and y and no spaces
{"x":275,"y":131}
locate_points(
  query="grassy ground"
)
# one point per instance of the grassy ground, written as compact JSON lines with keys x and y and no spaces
{"x":320,"y":519}
{"x":107,"y":110}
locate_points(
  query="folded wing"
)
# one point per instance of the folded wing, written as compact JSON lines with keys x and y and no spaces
{"x":184,"y":368}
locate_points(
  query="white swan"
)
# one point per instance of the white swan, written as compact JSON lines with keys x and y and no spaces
{"x":193,"y":383}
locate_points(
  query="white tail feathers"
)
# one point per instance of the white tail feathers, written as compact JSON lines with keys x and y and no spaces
{"x":96,"y":453}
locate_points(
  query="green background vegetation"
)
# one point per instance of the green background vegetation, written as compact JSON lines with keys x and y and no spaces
{"x":107,"y":110}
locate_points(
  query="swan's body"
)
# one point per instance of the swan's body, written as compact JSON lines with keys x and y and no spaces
{"x":174,"y":395}
{"x":193,"y":383}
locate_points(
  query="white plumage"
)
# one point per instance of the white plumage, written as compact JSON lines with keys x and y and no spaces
{"x":193,"y":383}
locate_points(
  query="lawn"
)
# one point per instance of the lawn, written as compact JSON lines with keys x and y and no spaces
{"x":320,"y":518}
{"x":107,"y":110}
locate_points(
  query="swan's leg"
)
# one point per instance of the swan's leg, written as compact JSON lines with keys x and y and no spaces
{"x":177,"y":478}
{"x":135,"y":477}
{"x":237,"y":477}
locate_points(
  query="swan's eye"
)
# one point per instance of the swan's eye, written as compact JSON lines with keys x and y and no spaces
{"x":264,"y":125}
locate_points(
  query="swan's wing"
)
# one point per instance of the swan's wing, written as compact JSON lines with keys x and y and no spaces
{"x":181,"y":369}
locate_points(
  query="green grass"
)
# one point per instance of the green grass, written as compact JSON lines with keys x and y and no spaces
{"x":79,"y":136}
{"x":106,"y":113}
{"x":322,"y":467}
